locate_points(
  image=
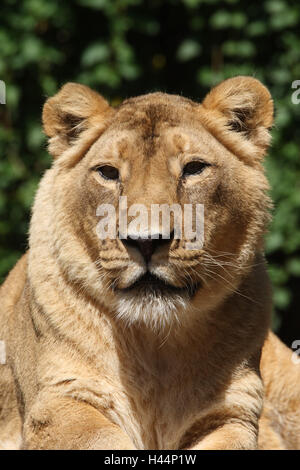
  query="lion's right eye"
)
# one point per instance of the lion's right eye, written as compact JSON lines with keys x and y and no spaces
{"x":194,"y":168}
{"x":108,"y":172}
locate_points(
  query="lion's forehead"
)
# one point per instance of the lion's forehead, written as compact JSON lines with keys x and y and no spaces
{"x":149,"y":115}
{"x":155,"y":125}
{"x":131,"y":144}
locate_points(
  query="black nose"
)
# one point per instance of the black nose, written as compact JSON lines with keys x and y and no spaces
{"x":147,"y":246}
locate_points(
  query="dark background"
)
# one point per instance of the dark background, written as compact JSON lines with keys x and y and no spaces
{"x":129,"y":47}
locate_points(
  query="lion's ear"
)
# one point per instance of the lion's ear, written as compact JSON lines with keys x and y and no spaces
{"x":71,"y":112}
{"x":240,"y":113}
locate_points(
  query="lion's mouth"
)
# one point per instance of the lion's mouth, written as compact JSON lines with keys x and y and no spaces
{"x":149,"y":283}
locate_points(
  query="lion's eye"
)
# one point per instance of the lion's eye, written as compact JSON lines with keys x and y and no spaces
{"x":194,"y":168}
{"x":108,"y":172}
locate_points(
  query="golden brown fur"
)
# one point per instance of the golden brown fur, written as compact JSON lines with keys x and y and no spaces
{"x":93,"y":364}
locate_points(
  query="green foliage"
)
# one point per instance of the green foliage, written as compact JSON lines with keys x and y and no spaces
{"x":128,"y":47}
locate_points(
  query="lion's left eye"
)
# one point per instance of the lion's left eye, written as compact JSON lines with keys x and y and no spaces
{"x":194,"y":168}
{"x":108,"y":172}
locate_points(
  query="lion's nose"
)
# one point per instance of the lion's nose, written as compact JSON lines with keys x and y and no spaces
{"x":147,"y":246}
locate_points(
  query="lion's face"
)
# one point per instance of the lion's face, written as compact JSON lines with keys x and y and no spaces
{"x":163,"y":150}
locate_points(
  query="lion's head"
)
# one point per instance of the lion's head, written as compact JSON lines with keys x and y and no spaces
{"x":155,"y":149}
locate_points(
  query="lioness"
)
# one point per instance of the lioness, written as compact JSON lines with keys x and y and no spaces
{"x":141,"y":343}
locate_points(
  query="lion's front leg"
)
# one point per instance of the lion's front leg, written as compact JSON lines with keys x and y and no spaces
{"x":64,"y":423}
{"x":229,"y":437}
{"x":232,"y":423}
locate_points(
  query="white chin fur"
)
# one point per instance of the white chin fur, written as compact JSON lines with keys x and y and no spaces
{"x":154,"y":311}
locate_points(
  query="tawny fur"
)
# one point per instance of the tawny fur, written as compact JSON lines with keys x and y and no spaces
{"x":91,"y":365}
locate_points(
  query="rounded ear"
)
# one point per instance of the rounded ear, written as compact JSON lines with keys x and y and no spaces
{"x":71,"y":113}
{"x":239,"y":112}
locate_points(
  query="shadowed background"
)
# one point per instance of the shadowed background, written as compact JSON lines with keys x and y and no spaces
{"x":128,"y":47}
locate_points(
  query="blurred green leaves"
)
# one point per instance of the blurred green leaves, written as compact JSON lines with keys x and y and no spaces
{"x":188,"y":49}
{"x":129,"y":47}
{"x":95,"y":53}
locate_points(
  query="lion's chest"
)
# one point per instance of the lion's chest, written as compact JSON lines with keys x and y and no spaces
{"x":155,"y":415}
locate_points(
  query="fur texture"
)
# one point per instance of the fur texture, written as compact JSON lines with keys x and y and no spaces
{"x":96,"y":361}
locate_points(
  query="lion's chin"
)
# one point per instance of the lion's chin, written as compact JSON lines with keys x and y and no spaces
{"x":152,"y":301}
